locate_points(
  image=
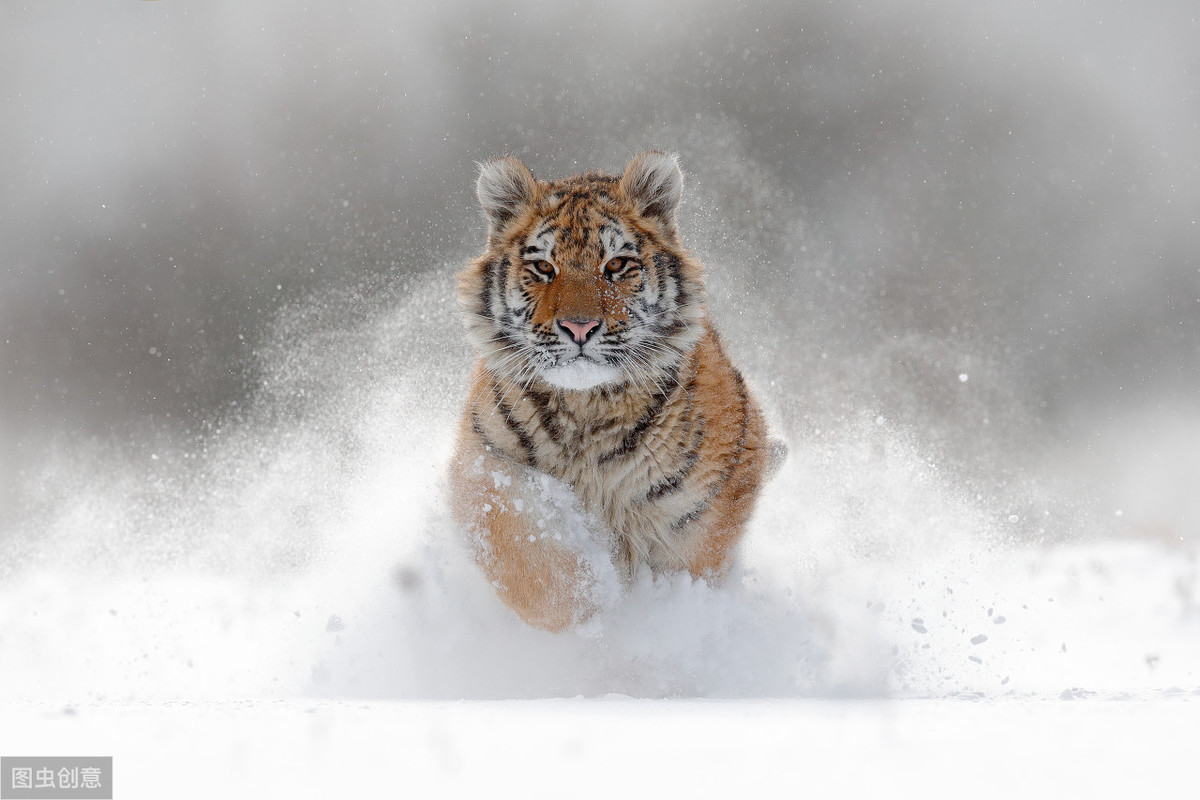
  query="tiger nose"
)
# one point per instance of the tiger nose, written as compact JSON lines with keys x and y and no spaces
{"x":579,"y":329}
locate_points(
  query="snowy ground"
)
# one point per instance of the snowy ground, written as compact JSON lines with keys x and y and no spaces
{"x":951,"y":245}
{"x":619,"y":747}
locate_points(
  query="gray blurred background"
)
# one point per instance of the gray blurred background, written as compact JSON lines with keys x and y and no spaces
{"x":888,"y":196}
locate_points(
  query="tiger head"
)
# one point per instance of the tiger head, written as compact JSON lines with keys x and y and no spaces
{"x":583,"y":282}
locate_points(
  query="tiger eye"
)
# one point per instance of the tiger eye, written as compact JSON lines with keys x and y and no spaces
{"x":616,"y":265}
{"x":544,"y":267}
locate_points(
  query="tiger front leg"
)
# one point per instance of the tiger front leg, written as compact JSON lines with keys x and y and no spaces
{"x":532,"y":540}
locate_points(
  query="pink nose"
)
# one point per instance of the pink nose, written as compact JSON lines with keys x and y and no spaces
{"x":579,"y":328}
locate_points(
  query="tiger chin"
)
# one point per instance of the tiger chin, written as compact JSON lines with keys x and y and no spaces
{"x":605,"y":430}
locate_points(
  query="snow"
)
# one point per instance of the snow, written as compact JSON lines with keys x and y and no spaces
{"x":315,"y":624}
{"x":982,"y":587}
{"x":617,"y":747}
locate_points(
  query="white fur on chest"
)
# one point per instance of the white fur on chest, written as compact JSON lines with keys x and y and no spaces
{"x":581,"y":374}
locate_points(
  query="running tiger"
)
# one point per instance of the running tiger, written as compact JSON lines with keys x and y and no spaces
{"x":605,"y":430}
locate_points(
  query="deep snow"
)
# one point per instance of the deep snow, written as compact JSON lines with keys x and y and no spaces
{"x":303,"y":549}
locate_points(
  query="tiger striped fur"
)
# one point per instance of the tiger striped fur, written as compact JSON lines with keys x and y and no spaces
{"x":599,"y":371}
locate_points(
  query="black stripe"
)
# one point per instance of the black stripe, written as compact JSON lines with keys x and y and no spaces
{"x":670,"y":485}
{"x":737,"y":376}
{"x":546,"y":417}
{"x":505,"y":338}
{"x":662,"y":281}
{"x":689,"y":388}
{"x":634,"y":437}
{"x":491,"y":283}
{"x":488,"y":269}
{"x":515,"y":427}
{"x":610,"y":392}
{"x":605,"y":427}
{"x":675,"y":482}
{"x":488,"y":444}
{"x":671,"y":265}
{"x":691,"y":516}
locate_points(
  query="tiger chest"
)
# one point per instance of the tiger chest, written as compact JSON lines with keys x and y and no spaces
{"x":639,"y":476}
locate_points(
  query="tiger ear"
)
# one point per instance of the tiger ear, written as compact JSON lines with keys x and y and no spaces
{"x":505,"y":186}
{"x":654,"y":182}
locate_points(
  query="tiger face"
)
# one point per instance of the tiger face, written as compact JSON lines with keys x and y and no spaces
{"x":583,"y":283}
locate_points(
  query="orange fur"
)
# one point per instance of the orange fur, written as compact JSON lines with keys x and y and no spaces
{"x":647,"y":421}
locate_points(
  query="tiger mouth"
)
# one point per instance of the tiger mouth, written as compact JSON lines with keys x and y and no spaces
{"x":586,"y":358}
{"x":582,"y":372}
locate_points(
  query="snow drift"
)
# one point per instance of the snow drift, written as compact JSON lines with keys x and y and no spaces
{"x":302,"y":548}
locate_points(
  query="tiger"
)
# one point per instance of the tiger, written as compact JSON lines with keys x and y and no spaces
{"x":605,"y":430}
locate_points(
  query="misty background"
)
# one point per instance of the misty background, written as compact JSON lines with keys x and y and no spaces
{"x":977,"y":221}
